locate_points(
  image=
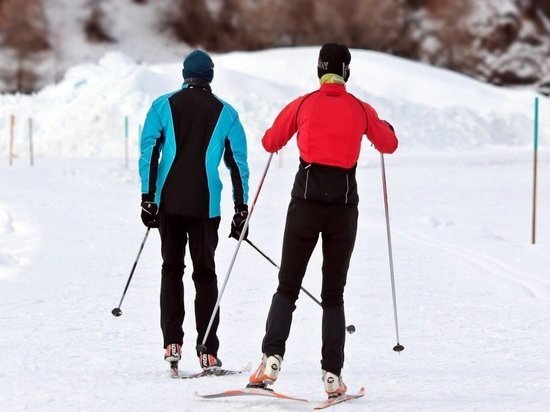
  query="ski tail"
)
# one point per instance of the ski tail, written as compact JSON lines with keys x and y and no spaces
{"x":216,"y":372}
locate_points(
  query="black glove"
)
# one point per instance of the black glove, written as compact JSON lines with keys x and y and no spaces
{"x":149,"y":213}
{"x":237,"y":224}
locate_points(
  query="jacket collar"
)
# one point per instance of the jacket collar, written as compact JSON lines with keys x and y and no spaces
{"x":332,"y":78}
{"x":333,"y":87}
{"x":197,"y":82}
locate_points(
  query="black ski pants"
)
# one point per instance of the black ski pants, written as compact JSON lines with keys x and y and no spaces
{"x":337,"y":224}
{"x":175,"y":231}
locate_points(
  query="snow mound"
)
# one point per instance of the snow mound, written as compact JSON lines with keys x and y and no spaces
{"x":6,"y":224}
{"x":96,"y":107}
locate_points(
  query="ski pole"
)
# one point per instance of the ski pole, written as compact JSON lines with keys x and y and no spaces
{"x":349,"y":328}
{"x":398,"y":347}
{"x":116,"y":311}
{"x":277,"y":266}
{"x":202,"y":348}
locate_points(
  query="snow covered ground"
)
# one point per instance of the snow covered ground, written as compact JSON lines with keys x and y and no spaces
{"x":473,"y":294}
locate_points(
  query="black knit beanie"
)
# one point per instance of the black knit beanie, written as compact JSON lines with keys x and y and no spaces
{"x":334,"y":58}
{"x":198,"y":64}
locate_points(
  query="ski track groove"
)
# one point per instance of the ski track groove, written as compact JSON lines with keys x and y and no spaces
{"x":489,"y":264}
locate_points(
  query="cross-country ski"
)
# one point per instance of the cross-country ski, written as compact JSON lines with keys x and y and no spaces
{"x":210,"y":372}
{"x":250,"y":392}
{"x":339,"y":399}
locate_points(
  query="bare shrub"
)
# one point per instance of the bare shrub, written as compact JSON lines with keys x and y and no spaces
{"x":24,"y":32}
{"x":94,"y":26}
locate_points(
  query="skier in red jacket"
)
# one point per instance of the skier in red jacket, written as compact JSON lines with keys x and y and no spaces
{"x":330,"y":123}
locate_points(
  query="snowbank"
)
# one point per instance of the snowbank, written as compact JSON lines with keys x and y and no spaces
{"x":84,"y":115}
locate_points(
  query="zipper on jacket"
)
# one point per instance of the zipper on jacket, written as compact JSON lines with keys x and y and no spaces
{"x":307,"y":179}
{"x":347,"y":188}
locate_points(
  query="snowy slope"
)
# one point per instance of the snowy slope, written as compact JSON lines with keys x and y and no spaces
{"x":473,"y":294}
{"x":92,"y":101}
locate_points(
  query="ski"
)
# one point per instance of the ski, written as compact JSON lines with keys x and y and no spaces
{"x":339,"y":399}
{"x":209,"y":372}
{"x":251,"y":392}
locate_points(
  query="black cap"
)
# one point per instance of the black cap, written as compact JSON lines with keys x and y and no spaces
{"x":198,"y":64}
{"x":334,"y":58}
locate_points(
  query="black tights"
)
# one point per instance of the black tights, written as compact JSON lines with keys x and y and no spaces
{"x":203,"y":240}
{"x":337,"y":224}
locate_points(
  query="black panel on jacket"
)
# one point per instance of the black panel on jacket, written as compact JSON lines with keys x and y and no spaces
{"x":325,"y":184}
{"x":195,"y":113}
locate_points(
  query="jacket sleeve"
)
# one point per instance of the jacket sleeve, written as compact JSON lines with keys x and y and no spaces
{"x":283,"y":128}
{"x":235,"y":158}
{"x":151,"y":141}
{"x":380,"y":132}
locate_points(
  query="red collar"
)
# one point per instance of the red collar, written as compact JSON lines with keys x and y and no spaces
{"x":333,"y":87}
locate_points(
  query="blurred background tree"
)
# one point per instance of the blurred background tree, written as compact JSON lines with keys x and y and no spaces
{"x":95,"y":26}
{"x":24,"y":35}
{"x":504,"y":42}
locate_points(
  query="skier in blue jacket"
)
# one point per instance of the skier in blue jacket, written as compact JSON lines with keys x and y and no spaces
{"x":185,"y":135}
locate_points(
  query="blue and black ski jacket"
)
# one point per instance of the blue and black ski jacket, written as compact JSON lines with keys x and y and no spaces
{"x":185,"y":135}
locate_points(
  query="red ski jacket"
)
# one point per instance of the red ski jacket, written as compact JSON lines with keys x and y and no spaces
{"x":330,"y":123}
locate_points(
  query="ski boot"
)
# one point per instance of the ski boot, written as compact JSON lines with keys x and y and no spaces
{"x":173,"y":356}
{"x":334,"y":385}
{"x":266,"y":373}
{"x":209,"y":362}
